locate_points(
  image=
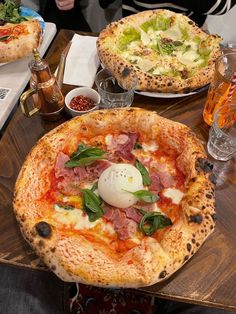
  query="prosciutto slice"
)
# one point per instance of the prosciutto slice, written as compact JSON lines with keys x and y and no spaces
{"x":123,"y":144}
{"x":156,"y":184}
{"x":125,"y":221}
{"x":166,"y":180}
{"x":69,"y":178}
{"x":95,"y":170}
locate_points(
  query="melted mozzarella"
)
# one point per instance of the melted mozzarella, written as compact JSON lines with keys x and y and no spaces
{"x":79,"y":220}
{"x":114,"y":183}
{"x":74,"y":217}
{"x":175,"y":194}
{"x":150,"y":147}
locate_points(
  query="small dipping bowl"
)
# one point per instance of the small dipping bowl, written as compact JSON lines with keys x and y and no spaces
{"x":85,"y":92}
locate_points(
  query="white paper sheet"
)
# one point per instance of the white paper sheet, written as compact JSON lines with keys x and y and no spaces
{"x":82,"y":61}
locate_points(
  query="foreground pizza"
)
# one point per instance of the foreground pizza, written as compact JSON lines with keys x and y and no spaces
{"x":18,"y":40}
{"x":116,"y":198}
{"x":167,"y":51}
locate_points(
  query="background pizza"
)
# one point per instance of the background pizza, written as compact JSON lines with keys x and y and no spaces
{"x":19,"y":34}
{"x":167,"y":51}
{"x":116,"y":198}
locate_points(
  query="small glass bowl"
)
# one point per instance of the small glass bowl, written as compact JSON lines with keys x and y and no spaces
{"x":83,"y":91}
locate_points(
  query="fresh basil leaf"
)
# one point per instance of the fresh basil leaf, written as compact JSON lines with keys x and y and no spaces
{"x":152,"y":221}
{"x":82,"y":162}
{"x":145,"y":196}
{"x":145,"y":175}
{"x":4,"y":37}
{"x":79,"y":150}
{"x":95,"y":186}
{"x":87,"y":151}
{"x":84,"y":156}
{"x":138,"y":146}
{"x":63,"y":206}
{"x":91,"y":205}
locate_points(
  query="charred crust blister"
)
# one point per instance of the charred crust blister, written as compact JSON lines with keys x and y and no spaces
{"x":213,"y":178}
{"x":126,"y":72}
{"x":186,"y":258}
{"x":209,"y":196}
{"x":43,"y":229}
{"x":189,"y":247}
{"x":203,"y":164}
{"x":196,"y":218}
{"x":214,"y":217}
{"x":163,"y":274}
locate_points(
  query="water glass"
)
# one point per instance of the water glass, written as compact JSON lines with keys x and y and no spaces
{"x":222,"y":136}
{"x":219,"y":88}
{"x":114,"y":94}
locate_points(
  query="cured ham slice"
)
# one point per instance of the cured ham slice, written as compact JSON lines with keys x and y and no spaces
{"x":123,"y":144}
{"x":156,"y":184}
{"x":125,"y":221}
{"x":69,"y":178}
{"x":95,"y":170}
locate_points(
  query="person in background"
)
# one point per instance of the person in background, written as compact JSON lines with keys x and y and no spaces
{"x":65,"y":14}
{"x":196,"y":10}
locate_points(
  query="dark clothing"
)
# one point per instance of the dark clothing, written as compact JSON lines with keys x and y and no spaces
{"x":196,"y":10}
{"x":25,"y":291}
{"x":70,"y":19}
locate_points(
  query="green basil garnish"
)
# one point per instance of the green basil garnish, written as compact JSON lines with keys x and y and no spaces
{"x":145,"y":175}
{"x":81,"y":162}
{"x":95,"y":186}
{"x":152,"y":221}
{"x":138,"y":146}
{"x":145,"y":196}
{"x":4,"y":37}
{"x":84,"y":156}
{"x":91,"y":205}
{"x":63,"y":206}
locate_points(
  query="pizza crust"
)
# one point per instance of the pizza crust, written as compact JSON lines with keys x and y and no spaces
{"x":23,"y":45}
{"x":119,"y":66}
{"x":72,"y":256}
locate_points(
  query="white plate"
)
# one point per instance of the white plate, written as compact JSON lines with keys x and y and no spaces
{"x":27,"y":12}
{"x":169,"y":95}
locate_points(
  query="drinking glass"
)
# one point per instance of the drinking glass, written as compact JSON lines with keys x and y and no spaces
{"x":114,"y":94}
{"x":222,"y":136}
{"x":220,"y":86}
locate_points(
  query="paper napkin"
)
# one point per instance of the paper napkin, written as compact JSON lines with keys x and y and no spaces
{"x":82,"y":61}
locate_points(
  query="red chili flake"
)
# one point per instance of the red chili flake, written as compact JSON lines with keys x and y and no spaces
{"x":81,"y":103}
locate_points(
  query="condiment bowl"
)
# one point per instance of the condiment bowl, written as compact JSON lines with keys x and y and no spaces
{"x":87,"y":92}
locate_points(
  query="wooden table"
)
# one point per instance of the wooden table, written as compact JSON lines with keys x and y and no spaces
{"x":209,"y":278}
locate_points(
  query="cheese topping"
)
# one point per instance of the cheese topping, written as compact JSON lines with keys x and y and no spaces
{"x":74,"y":217}
{"x":150,"y":147}
{"x":175,"y":195}
{"x":79,"y":220}
{"x":116,"y":183}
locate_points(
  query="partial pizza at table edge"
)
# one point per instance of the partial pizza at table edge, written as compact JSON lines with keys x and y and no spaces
{"x":18,"y":40}
{"x":118,"y":198}
{"x":167,"y":51}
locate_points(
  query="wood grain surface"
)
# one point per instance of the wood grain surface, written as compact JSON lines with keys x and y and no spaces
{"x":209,"y":278}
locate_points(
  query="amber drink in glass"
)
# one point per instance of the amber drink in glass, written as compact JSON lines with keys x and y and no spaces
{"x":220,"y":86}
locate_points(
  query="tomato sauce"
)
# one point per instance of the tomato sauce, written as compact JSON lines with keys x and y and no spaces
{"x":171,"y":210}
